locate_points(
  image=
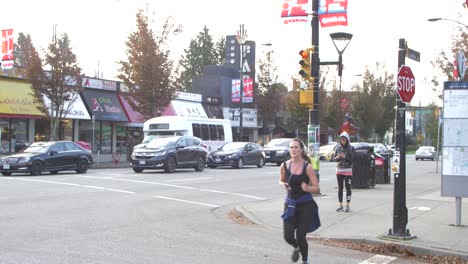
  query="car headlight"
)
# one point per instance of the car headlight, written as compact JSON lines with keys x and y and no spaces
{"x":160,"y":153}
{"x":24,"y":159}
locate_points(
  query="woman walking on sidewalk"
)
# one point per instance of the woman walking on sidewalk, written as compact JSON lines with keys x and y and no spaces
{"x":300,"y":210}
{"x":344,"y":170}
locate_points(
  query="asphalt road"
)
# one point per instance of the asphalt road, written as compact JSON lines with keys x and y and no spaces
{"x":118,"y":216}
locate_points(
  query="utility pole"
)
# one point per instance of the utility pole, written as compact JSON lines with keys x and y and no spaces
{"x":313,"y":129}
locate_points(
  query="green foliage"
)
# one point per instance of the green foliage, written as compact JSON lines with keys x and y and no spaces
{"x":201,"y":52}
{"x":269,"y":93}
{"x":60,"y":84}
{"x":373,"y":103}
{"x":147,"y":70}
{"x":445,"y":62}
{"x":431,"y":125}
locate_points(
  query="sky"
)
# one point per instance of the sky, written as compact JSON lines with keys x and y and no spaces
{"x":98,"y":30}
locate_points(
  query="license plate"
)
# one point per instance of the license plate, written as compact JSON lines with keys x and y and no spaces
{"x":142,"y":162}
{"x":218,"y":159}
{"x":6,"y":166}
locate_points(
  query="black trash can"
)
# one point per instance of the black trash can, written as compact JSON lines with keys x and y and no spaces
{"x":363,"y":168}
{"x":379,"y":163}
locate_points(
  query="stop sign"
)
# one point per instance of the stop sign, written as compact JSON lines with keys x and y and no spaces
{"x":406,"y":84}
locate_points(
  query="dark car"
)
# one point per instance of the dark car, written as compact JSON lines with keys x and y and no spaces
{"x":277,"y":150}
{"x":237,"y":154}
{"x":169,"y":153}
{"x":52,"y":156}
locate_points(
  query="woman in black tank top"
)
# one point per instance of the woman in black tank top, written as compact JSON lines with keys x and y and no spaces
{"x":301,"y":212}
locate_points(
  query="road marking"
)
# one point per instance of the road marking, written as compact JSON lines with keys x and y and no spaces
{"x":174,"y":186}
{"x":185,"y":201}
{"x":421,"y":208}
{"x":191,"y":179}
{"x":73,"y":184}
{"x":378,"y":259}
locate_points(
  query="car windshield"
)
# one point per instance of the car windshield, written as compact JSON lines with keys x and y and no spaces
{"x":279,"y":143}
{"x":38,"y":147}
{"x":425,"y":149}
{"x":233,"y":146}
{"x":162,"y":142}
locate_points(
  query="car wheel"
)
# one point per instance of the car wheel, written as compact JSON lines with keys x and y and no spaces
{"x":138,"y":170}
{"x":36,"y":168}
{"x":200,"y":164}
{"x":261,"y":162}
{"x":212,"y":166}
{"x":170,"y":165}
{"x":53,"y":172}
{"x":240,"y":163}
{"x":6,"y":173}
{"x":82,"y":166}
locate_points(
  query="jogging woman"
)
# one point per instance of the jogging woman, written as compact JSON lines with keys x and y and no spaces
{"x":300,"y":210}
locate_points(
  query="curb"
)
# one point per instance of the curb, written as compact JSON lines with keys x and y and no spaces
{"x":418,"y":250}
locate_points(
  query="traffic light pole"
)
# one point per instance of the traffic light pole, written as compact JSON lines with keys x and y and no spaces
{"x":400,"y":211}
{"x":314,"y":125}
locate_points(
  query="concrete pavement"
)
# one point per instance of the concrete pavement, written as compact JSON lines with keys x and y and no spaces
{"x":431,"y":218}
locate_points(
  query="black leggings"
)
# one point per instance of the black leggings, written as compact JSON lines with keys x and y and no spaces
{"x":299,"y":223}
{"x":347,"y":180}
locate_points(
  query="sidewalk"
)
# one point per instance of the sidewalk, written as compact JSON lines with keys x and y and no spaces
{"x":431,"y":218}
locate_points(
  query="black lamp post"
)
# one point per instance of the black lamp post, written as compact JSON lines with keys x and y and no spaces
{"x":343,"y":40}
{"x":241,"y":37}
{"x":447,"y":19}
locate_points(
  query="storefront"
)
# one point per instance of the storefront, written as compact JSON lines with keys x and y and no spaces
{"x":186,"y":104}
{"x":18,"y":114}
{"x":68,"y":126}
{"x":131,"y":133}
{"x":249,"y":123}
{"x":107,"y":114}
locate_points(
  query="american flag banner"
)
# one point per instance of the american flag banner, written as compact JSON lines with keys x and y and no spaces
{"x":7,"y":49}
{"x":295,"y":11}
{"x":235,"y":91}
{"x":248,"y":91}
{"x":333,"y":13}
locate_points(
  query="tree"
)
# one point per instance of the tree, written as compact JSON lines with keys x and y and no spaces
{"x":431,"y":124}
{"x":59,"y":85}
{"x":377,"y":96}
{"x":219,"y":51}
{"x":445,"y":62}
{"x":147,"y":70}
{"x":201,"y":52}
{"x":269,"y":92}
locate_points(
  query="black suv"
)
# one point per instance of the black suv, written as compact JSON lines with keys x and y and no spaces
{"x":169,"y":153}
{"x":277,"y":150}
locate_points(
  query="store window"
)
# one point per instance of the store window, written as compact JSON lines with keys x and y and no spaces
{"x":85,"y":133}
{"x":66,"y":130}
{"x":106,"y":137}
{"x":13,"y":135}
{"x":121,"y":143}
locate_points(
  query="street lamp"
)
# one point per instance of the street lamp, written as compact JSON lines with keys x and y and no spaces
{"x":447,"y":19}
{"x":241,"y":37}
{"x":343,"y":40}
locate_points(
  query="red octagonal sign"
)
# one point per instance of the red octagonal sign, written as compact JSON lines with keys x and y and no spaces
{"x":406,"y":84}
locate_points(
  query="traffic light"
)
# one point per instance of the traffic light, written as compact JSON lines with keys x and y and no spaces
{"x":305,"y":63}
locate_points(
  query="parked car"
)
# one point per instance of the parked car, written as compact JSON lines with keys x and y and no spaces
{"x":327,"y":151}
{"x":237,"y":154}
{"x":379,"y":148}
{"x":52,"y":156}
{"x":170,"y":153}
{"x":277,"y":150}
{"x":426,"y":152}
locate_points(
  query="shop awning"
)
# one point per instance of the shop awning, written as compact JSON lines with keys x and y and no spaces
{"x":104,"y":105}
{"x":16,"y":100}
{"x":135,"y":119}
{"x":77,"y":109}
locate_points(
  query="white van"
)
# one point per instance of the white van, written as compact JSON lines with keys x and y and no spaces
{"x":213,"y":132}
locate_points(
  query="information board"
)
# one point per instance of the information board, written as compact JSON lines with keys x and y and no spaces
{"x":455,"y":140}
